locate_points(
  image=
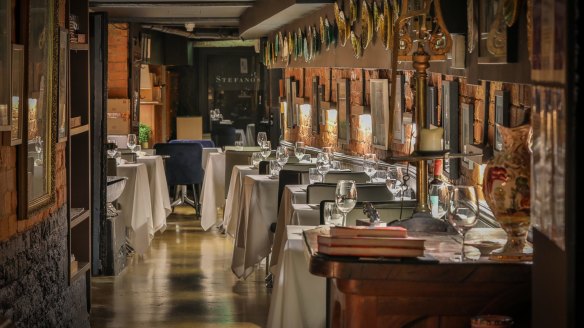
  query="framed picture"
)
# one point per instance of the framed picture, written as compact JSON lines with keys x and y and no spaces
{"x":317,"y":93}
{"x":243,"y":65}
{"x":379,"y":112}
{"x":450,"y":124}
{"x":431,"y":106}
{"x":288,"y":100}
{"x":398,"y":131}
{"x":62,"y":127}
{"x":344,"y":110}
{"x":467,"y":118}
{"x":502,"y":116}
{"x":496,"y":40}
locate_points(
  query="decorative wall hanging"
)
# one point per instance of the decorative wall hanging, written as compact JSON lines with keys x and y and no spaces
{"x":342,"y":25}
{"x":379,"y":100}
{"x":472,"y":25}
{"x":497,"y":42}
{"x":366,"y":25}
{"x":387,"y":31}
{"x":377,"y":17}
{"x":356,"y":44}
{"x":352,"y":17}
{"x":344,"y":110}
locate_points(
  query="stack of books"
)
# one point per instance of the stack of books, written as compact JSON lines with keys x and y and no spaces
{"x":370,"y":242}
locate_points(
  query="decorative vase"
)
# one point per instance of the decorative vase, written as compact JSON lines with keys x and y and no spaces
{"x":506,"y":188}
{"x":144,"y":145}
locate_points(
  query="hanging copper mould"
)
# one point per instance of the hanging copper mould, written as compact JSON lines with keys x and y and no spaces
{"x":285,"y":51}
{"x":332,"y":36}
{"x":308,"y":45}
{"x":387,"y":31}
{"x":341,"y":26}
{"x":366,"y":25}
{"x":322,"y":32}
{"x":352,"y":18}
{"x":356,"y":43}
{"x":300,"y":43}
{"x":377,"y":17}
{"x":277,"y":45}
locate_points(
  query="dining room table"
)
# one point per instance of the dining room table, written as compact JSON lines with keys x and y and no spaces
{"x":159,"y":197}
{"x":213,"y":189}
{"x":258,"y":210}
{"x":233,"y":204}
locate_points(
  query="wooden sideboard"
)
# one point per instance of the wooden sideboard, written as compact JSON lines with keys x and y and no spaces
{"x":427,"y":292}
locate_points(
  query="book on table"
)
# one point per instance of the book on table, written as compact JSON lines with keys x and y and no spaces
{"x":383,"y":242}
{"x":366,"y":231}
{"x":363,"y":251}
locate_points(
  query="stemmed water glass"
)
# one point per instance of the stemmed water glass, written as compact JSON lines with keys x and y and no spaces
{"x":323,"y":163}
{"x":370,"y":165}
{"x":346,"y":197}
{"x":256,"y":158}
{"x":266,"y":148}
{"x":261,"y":138}
{"x":299,"y":150}
{"x":112,"y":149}
{"x":282,"y":155}
{"x":462,"y":212}
{"x":132,"y":141}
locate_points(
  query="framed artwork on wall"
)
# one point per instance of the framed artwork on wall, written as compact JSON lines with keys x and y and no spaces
{"x":315,"y":102}
{"x":502,"y":117}
{"x":63,"y":103}
{"x":450,"y":124}
{"x":431,"y":106}
{"x":398,"y":131}
{"x":344,"y":111}
{"x":379,"y":101}
{"x":467,"y":118}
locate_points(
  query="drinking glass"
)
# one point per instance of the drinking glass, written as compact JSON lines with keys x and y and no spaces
{"x":274,"y":168}
{"x":462,"y":212}
{"x":370,"y":165}
{"x":238,"y":145}
{"x":346,"y":197}
{"x":335,"y":165}
{"x":138,"y":150}
{"x":299,"y":150}
{"x":282,"y":155}
{"x":313,"y":175}
{"x":438,"y":200}
{"x":132,"y":141}
{"x":266,"y":148}
{"x":256,"y":158}
{"x":391,"y":181}
{"x":261,"y":138}
{"x":332,"y":215}
{"x":323,"y":163}
{"x":380,"y":176}
{"x":112,"y":149}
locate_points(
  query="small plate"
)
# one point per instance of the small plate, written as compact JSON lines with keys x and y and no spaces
{"x":273,"y":177}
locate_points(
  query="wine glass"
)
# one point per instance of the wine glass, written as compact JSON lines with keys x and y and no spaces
{"x":266,"y":149}
{"x":256,"y":158}
{"x":438,"y":200}
{"x":299,"y":150}
{"x":261,"y":138}
{"x":391,"y":181}
{"x":112,"y":149}
{"x":323,"y":163}
{"x":370,"y":165}
{"x":274,"y":168}
{"x":462,"y":212}
{"x":132,"y":141}
{"x":282,"y":155}
{"x":346,"y":197}
{"x":314,"y":175}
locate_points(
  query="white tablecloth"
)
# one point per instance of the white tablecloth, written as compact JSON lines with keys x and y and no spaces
{"x":213,"y":190}
{"x":298,"y":297}
{"x":292,"y":194}
{"x":305,"y":214}
{"x":205,"y":156}
{"x":258,"y":211}
{"x":233,"y":203}
{"x":160,"y":201}
{"x":135,"y":203}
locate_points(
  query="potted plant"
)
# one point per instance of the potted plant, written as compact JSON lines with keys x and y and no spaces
{"x":145,"y":131}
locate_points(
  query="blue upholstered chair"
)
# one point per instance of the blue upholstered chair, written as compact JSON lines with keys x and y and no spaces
{"x":205,"y":143}
{"x":183,"y":168}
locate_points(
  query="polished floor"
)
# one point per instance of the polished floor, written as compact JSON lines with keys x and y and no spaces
{"x":184,"y":280}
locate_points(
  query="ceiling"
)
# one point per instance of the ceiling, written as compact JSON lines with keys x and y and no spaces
{"x":221,"y":19}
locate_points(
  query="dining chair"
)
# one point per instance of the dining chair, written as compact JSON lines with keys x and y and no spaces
{"x":232,"y":158}
{"x":389,"y":212}
{"x":370,"y":192}
{"x":183,"y":168}
{"x":223,"y":135}
{"x":334,"y":177}
{"x":204,"y":142}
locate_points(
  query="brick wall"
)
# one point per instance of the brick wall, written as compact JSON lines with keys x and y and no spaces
{"x":360,"y":143}
{"x":117,"y":80}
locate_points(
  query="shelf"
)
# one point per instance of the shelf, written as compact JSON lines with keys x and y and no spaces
{"x":82,"y":268}
{"x":151,"y":103}
{"x":79,"y":129}
{"x":426,"y":157}
{"x":79,"y":46}
{"x":78,"y":215}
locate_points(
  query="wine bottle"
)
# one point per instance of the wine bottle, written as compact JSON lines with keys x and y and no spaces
{"x":434,"y":187}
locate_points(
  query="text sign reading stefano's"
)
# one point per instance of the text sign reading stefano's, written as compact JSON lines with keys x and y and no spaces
{"x":237,"y":82}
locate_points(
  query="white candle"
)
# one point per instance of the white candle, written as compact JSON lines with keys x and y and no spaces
{"x":431,"y":139}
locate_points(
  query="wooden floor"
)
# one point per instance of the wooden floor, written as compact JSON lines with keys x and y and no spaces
{"x":185,"y":280}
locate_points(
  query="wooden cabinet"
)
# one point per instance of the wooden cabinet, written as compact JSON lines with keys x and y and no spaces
{"x":78,"y":145}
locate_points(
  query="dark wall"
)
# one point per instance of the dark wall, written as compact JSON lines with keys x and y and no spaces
{"x":222,"y":84}
{"x":34,"y":287}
